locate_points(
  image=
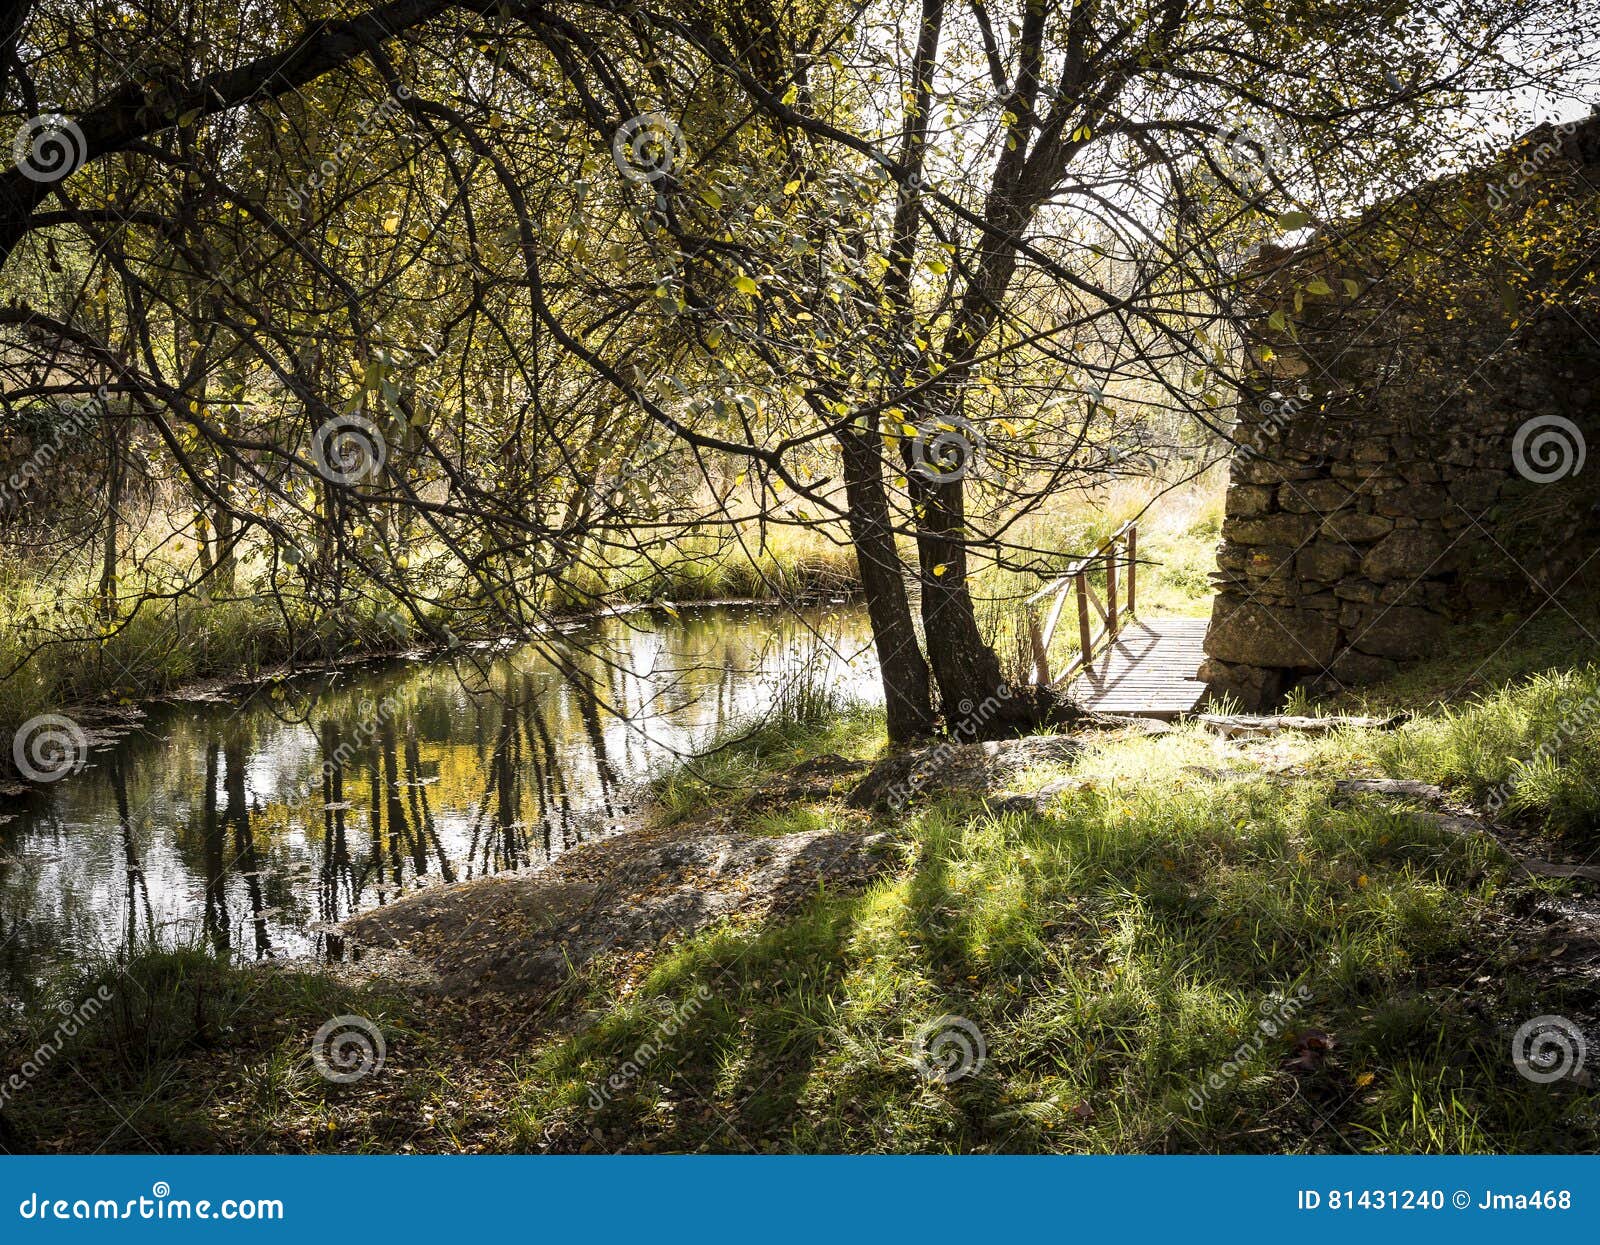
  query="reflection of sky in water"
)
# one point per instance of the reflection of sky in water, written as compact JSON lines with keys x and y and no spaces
{"x":486,"y":763}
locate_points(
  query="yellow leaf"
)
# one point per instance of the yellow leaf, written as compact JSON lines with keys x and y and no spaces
{"x":745,"y":285}
{"x":941,"y":569}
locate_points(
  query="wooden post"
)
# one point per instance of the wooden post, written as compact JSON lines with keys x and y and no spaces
{"x":1041,"y":658}
{"x":1133,"y":568}
{"x":1111,"y":592}
{"x":1083,"y":615}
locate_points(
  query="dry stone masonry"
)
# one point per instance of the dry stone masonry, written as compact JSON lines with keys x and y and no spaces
{"x":1420,"y":397}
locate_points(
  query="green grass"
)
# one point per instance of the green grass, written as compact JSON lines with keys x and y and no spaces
{"x":783,"y":562}
{"x":1509,"y":720}
{"x":747,"y":755}
{"x":171,"y":1046}
{"x":1115,"y":952}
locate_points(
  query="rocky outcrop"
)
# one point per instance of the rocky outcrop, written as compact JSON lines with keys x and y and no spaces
{"x":530,"y":932}
{"x":952,"y":768}
{"x":1414,"y":424}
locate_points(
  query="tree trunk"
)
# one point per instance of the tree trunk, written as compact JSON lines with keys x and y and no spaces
{"x":906,"y":694}
{"x":108,"y":552}
{"x":972,"y":693}
{"x":225,"y":561}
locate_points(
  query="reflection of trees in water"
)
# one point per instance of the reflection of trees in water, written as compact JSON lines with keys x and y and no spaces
{"x":485,"y":763}
{"x":417,"y":784}
{"x":214,"y":918}
{"x":335,"y":873}
{"x":136,"y":887}
{"x":527,"y":786}
{"x":248,"y":860}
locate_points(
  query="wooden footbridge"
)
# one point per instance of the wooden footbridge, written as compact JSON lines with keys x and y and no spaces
{"x":1122,"y":664}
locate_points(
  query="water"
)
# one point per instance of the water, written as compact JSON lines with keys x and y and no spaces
{"x":257,"y":824}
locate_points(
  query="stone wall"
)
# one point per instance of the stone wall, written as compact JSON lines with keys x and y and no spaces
{"x":1420,"y":394}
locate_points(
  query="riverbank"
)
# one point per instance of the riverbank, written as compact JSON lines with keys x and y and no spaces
{"x":56,"y":651}
{"x":1132,"y":942}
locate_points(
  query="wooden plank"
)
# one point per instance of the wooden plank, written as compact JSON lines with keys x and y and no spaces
{"x":1148,"y":671}
{"x":1085,"y":640}
{"x":1133,"y":569}
{"x":1111,"y":590}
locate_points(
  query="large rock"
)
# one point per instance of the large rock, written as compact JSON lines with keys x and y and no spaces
{"x":1400,"y":631}
{"x":1321,"y":496}
{"x":1476,"y":491}
{"x":1352,"y":527}
{"x":1255,"y":689}
{"x":1265,"y":471}
{"x":1351,"y":667}
{"x":1325,"y":562}
{"x":1412,"y":501}
{"x":1272,"y":529}
{"x":1405,"y":555}
{"x":1253,"y":634}
{"x":1249,"y":499}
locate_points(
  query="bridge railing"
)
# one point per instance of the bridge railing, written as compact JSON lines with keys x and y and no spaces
{"x":1115,"y":565}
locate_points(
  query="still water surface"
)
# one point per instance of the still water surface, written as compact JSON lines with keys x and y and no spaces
{"x":255,"y":825}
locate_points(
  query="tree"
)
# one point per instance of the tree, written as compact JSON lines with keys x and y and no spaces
{"x":449,"y":309}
